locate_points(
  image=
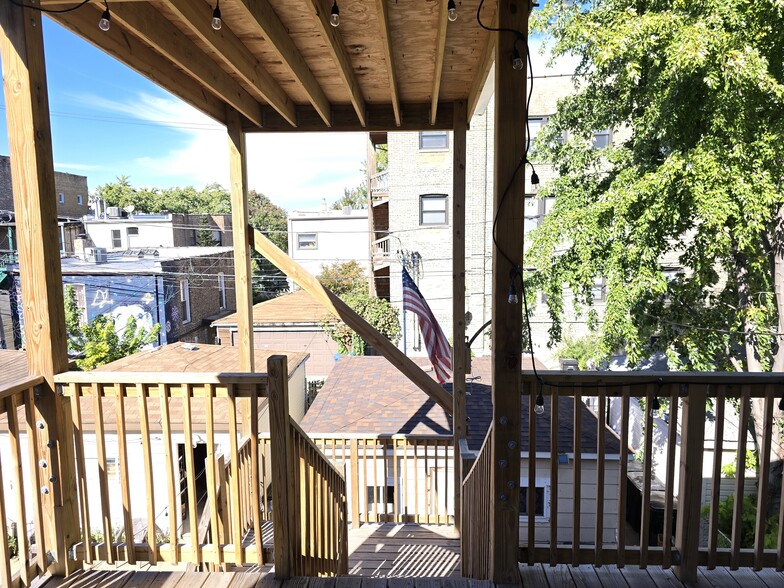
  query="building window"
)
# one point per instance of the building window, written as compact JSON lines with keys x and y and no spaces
{"x":185,"y":301}
{"x":599,"y":290}
{"x":81,"y":301}
{"x":381,"y":499}
{"x":61,"y":197}
{"x":131,"y":232}
{"x":307,"y":241}
{"x":542,"y":506}
{"x":116,"y":239}
{"x":601,"y":139}
{"x":534,"y":126}
{"x":433,"y":140}
{"x":222,"y":290}
{"x":432,"y":209}
{"x":79,"y":199}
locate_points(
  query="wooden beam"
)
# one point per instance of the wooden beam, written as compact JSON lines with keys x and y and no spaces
{"x":145,"y":61}
{"x":339,"y":54}
{"x":35,"y":207}
{"x":443,"y":21}
{"x":386,"y":40}
{"x":482,"y":72}
{"x":261,"y":15}
{"x":282,"y":457}
{"x":458,"y":293}
{"x":145,"y":22}
{"x":508,"y":187}
{"x":380,"y":118}
{"x":243,"y":287}
{"x":228,"y":47}
{"x":343,"y":311}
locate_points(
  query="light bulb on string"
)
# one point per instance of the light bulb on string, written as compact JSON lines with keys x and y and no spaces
{"x":517,"y":61}
{"x":106,"y":20}
{"x":334,"y":14}
{"x":539,"y":406}
{"x":451,"y":11}
{"x":512,"y":298}
{"x":655,"y":407}
{"x":217,"y":23}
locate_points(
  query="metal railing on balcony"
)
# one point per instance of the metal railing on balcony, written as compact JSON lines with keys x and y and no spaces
{"x":382,"y":255}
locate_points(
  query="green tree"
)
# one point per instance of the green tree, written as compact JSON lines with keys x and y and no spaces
{"x":97,"y":342}
{"x":695,"y":92}
{"x":356,"y":198}
{"x":204,"y":236}
{"x":349,"y":281}
{"x":213,"y":199}
{"x":270,"y":220}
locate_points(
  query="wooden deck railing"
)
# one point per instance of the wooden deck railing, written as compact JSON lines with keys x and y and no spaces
{"x":475,"y":498}
{"x":395,"y":478}
{"x":157,"y":421}
{"x":579,"y":491}
{"x":17,"y":417}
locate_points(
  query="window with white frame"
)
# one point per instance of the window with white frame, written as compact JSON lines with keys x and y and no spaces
{"x":131,"y":232}
{"x":185,"y":301}
{"x":433,"y":141}
{"x":599,"y":290}
{"x":61,"y":198}
{"x":307,"y":241}
{"x":541,"y":503}
{"x":222,"y":290}
{"x":535,"y":209}
{"x":602,"y":139}
{"x":432,"y":209}
{"x":116,"y":239}
{"x":535,"y":124}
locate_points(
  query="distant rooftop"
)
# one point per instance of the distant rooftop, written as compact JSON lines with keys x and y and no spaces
{"x":321,"y":214}
{"x":293,"y":308}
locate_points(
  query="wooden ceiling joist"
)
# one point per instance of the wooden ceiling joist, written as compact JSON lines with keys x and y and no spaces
{"x":443,"y":22}
{"x":145,"y":22}
{"x":145,"y":61}
{"x":339,"y":54}
{"x":263,"y":17}
{"x":415,"y":117}
{"x":485,"y":65}
{"x":235,"y":54}
{"x":386,"y":36}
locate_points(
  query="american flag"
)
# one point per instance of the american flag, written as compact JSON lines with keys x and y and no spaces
{"x":437,"y":346}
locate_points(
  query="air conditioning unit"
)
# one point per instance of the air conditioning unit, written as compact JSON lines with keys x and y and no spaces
{"x":569,"y":365}
{"x":114,"y":211}
{"x":96,"y":254}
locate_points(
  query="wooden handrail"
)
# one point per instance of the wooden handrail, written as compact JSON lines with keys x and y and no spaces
{"x":475,"y":498}
{"x":19,"y":385}
{"x":171,"y":378}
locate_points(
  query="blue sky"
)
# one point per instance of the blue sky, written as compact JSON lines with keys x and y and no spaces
{"x":108,"y":121}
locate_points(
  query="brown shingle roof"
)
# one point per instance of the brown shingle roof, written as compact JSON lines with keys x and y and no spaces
{"x":293,"y":308}
{"x":369,"y":395}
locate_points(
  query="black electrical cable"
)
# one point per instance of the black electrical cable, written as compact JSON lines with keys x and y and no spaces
{"x":49,"y":10}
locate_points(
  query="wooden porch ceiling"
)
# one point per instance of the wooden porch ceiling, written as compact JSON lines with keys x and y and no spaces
{"x":389,"y":65}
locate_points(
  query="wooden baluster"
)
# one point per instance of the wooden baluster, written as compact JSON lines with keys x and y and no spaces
{"x":718,"y":449}
{"x":234,"y":478}
{"x":375,"y":483}
{"x":622,"y":476}
{"x":740,"y":477}
{"x":5,"y":551}
{"x":168,"y":453}
{"x":103,"y":480}
{"x":224,"y":525}
{"x":404,"y":494}
{"x":125,"y":484}
{"x":669,"y":492}
{"x":554,"y":452}
{"x":647,"y":474}
{"x":144,"y":422}
{"x":354,"y":483}
{"x":17,"y":479}
{"x":256,"y":504}
{"x":428,"y":486}
{"x":34,"y":455}
{"x":417,"y":515}
{"x":81,"y":474}
{"x":190,"y":476}
{"x":529,"y":390}
{"x":577,"y":444}
{"x":395,"y":477}
{"x":763,"y":475}
{"x":212,"y":497}
{"x":600,"y":461}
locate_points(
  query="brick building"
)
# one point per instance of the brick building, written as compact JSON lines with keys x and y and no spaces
{"x":182,"y":289}
{"x":410,"y":220}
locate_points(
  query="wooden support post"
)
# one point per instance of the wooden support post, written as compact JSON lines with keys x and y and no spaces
{"x":509,"y":188}
{"x":243,"y":288}
{"x":282,"y":457}
{"x":355,"y":484}
{"x":458,"y":294}
{"x":687,"y":533}
{"x":35,"y":205}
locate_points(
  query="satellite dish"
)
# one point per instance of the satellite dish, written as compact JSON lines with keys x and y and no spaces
{"x":129,"y":209}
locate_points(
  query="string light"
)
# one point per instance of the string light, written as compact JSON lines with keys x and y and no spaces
{"x":217,"y":23}
{"x":105,"y":23}
{"x":451,"y":11}
{"x":517,"y":61}
{"x":334,"y":15}
{"x":539,"y":406}
{"x":513,"y":299}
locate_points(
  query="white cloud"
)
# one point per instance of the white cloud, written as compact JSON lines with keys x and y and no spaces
{"x":59,"y":165}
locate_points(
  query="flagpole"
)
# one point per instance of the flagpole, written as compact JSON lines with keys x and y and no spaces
{"x":405,"y":349}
